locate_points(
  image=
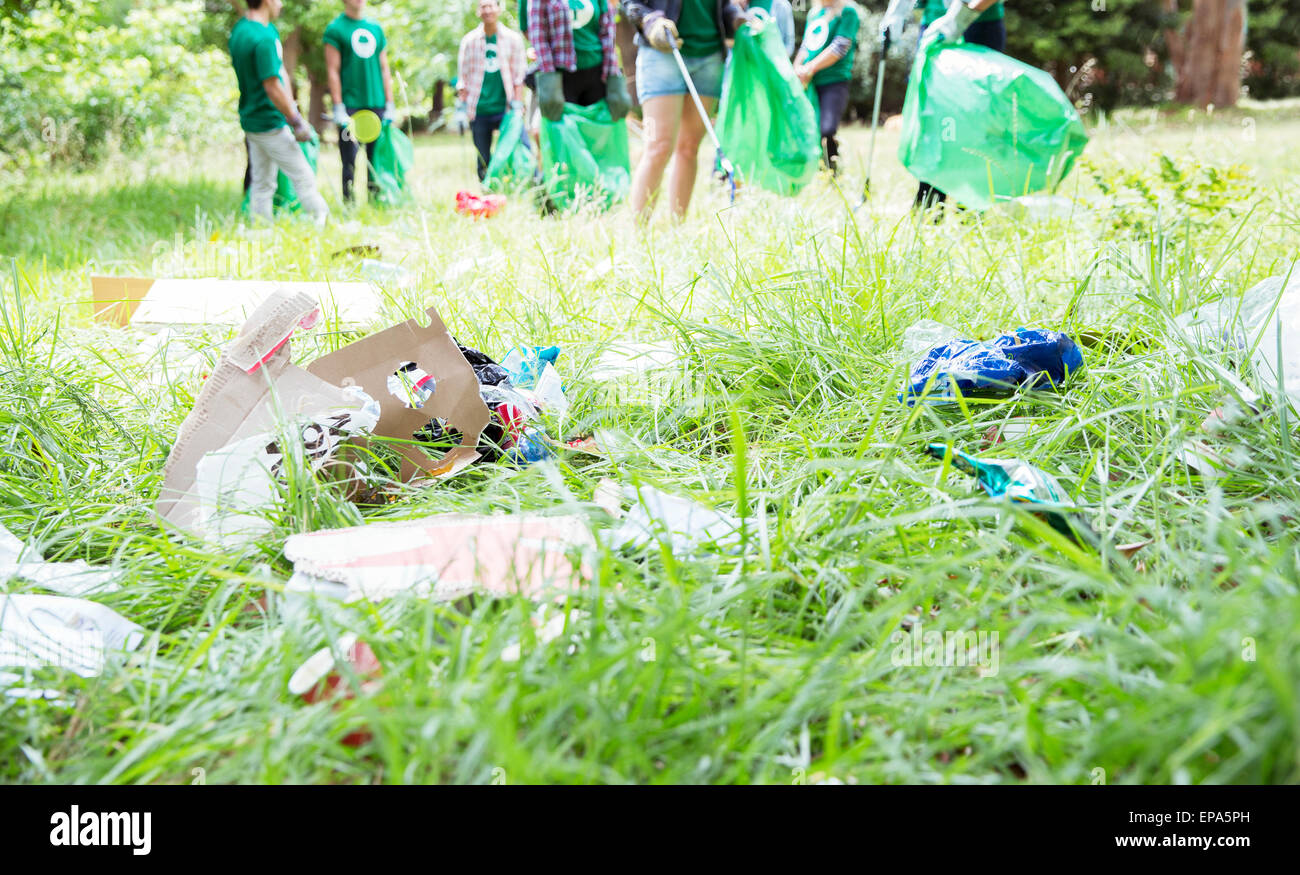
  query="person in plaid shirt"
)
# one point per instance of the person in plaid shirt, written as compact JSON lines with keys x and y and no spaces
{"x":490,"y":77}
{"x":576,"y":59}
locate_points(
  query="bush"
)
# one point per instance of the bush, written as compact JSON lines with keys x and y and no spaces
{"x":81,"y":80}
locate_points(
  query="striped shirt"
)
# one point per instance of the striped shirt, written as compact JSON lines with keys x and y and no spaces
{"x":472,"y":64}
{"x":550,"y":32}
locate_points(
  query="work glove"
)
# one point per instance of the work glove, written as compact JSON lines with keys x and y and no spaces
{"x":390,"y":111}
{"x":661,"y":32}
{"x":616,"y":97}
{"x":341,"y":115}
{"x":302,"y":131}
{"x":895,"y":21}
{"x":550,"y":95}
{"x":951,"y":26}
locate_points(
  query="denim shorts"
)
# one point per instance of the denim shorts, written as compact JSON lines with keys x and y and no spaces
{"x":657,"y":74}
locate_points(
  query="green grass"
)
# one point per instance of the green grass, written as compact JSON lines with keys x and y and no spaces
{"x":768,"y":665}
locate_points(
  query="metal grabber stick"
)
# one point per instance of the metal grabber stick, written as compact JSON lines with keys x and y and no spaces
{"x":727,"y":167}
{"x":875,"y":116}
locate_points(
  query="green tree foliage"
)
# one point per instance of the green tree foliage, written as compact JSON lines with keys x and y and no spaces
{"x":1103,"y":52}
{"x":80,"y":79}
{"x":1273,"y":41}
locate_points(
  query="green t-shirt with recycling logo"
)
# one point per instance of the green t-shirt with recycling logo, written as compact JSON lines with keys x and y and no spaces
{"x":256,"y":54}
{"x":824,"y":25}
{"x":492,"y":97}
{"x":584,"y":16}
{"x":359,"y":42}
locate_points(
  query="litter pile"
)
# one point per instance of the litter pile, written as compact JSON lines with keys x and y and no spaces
{"x":409,"y":397}
{"x":951,"y":368}
{"x":411,"y":384}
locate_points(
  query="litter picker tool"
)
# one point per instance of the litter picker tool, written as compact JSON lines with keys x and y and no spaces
{"x":727,"y":167}
{"x":875,"y":117}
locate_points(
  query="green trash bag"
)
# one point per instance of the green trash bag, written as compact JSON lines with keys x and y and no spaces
{"x":585,"y":156}
{"x":514,"y":160}
{"x":394,"y":157}
{"x":285,"y":199}
{"x":766,"y":122}
{"x":984,"y":127}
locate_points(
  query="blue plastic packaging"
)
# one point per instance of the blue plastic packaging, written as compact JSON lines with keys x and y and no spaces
{"x":525,"y":364}
{"x":1024,"y":358}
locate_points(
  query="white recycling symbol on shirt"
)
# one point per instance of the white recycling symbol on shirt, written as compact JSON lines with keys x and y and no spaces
{"x":581,"y":12}
{"x":363,"y":43}
{"x":491,"y":64}
{"x":815,"y":38}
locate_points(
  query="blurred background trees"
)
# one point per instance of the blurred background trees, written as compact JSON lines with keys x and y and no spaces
{"x":83,"y":78}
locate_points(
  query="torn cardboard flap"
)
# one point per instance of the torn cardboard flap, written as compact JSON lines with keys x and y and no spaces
{"x":369,"y":363}
{"x":255,"y":386}
{"x":252,"y":380}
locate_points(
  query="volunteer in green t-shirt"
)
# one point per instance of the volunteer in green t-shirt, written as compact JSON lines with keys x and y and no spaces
{"x":577,"y":61}
{"x":981,"y":22}
{"x":825,"y":61}
{"x":356,"y":59}
{"x":272,"y":125}
{"x":490,"y":77}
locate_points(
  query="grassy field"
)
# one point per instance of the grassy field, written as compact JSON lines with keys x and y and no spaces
{"x":774,"y":663}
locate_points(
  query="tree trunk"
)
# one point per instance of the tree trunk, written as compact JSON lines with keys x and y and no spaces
{"x":316,"y":102}
{"x":1209,"y":70}
{"x":292,"y":45}
{"x":439,"y":102}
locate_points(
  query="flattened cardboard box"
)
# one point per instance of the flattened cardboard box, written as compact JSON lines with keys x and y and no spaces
{"x":370,"y":361}
{"x":155,"y":303}
{"x":255,"y":380}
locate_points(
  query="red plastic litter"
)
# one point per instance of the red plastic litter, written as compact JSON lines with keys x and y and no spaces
{"x":317,"y":680}
{"x":479,"y":206}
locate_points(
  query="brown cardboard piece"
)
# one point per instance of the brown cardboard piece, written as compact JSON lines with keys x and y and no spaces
{"x":235,"y":398}
{"x":117,"y":297}
{"x":255,"y":377}
{"x":160,"y":302}
{"x":370,"y":361}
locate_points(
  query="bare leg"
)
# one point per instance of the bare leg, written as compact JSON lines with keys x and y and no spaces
{"x":682,"y":182}
{"x":661,"y":117}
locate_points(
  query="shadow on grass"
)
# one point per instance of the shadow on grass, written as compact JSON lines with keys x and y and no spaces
{"x":66,"y":225}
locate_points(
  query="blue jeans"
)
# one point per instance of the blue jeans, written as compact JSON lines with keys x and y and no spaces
{"x":481,"y":130}
{"x":657,"y":74}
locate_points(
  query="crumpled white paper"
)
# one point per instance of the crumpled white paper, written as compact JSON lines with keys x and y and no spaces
{"x":38,"y":631}
{"x":236,"y":483}
{"x":681,"y":523}
{"x":66,"y":578}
